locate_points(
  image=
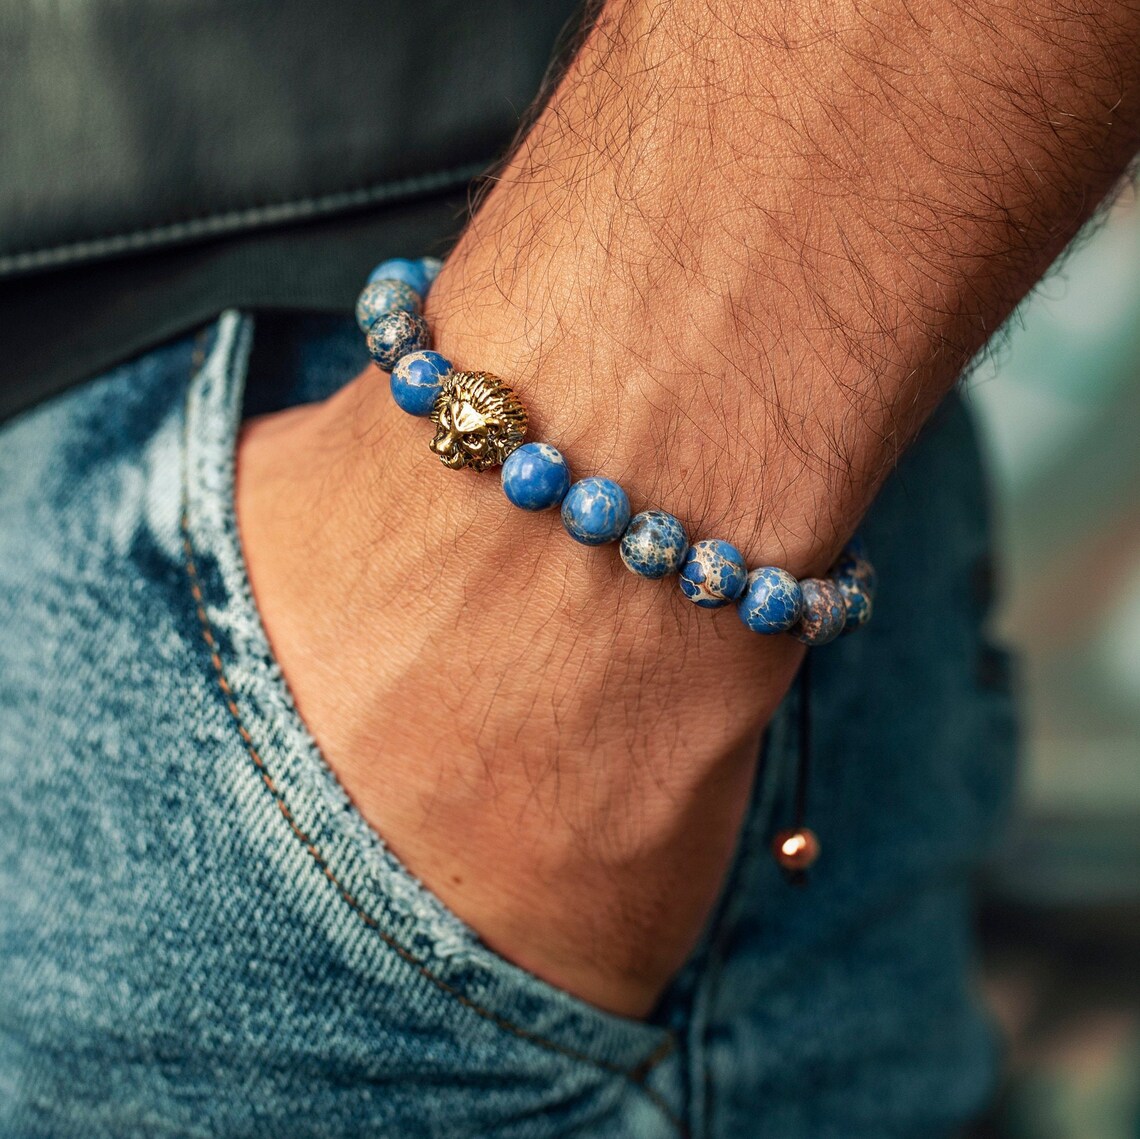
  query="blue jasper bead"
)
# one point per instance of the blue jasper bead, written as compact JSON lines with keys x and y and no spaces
{"x":535,"y":476}
{"x":824,"y":612}
{"x":859,"y":601}
{"x":382,"y":297}
{"x":396,"y":335}
{"x":713,"y":573}
{"x":431,"y":267}
{"x":853,"y":564}
{"x":772,"y":601}
{"x":416,"y":380}
{"x":417,"y":273}
{"x":654,"y":544}
{"x":595,"y":511}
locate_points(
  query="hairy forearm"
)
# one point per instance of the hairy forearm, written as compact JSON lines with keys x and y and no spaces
{"x":734,"y":264}
{"x":783,"y":230}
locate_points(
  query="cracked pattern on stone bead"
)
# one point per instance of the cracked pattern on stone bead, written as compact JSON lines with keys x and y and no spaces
{"x":824,"y":612}
{"x":382,"y":297}
{"x":595,"y":511}
{"x":713,"y":573}
{"x":654,"y":544}
{"x":772,"y":601}
{"x":396,"y":334}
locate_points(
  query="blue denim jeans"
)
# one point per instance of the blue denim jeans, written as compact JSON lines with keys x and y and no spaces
{"x":199,"y":935}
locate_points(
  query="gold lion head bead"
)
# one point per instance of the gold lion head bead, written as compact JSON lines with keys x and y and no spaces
{"x":478,"y":421}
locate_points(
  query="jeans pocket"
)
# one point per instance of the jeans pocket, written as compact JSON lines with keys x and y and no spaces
{"x":462,"y":1018}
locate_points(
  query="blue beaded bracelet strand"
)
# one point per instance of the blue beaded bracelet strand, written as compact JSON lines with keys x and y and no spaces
{"x":480,"y":423}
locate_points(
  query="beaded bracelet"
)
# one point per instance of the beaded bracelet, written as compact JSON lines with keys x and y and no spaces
{"x":480,"y":422}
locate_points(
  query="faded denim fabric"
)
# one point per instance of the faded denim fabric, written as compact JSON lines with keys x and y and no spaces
{"x":199,"y":936}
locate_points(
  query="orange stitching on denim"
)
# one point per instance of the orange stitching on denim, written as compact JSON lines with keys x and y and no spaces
{"x":636,"y":1075}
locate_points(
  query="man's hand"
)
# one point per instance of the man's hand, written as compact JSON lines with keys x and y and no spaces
{"x":734,"y":265}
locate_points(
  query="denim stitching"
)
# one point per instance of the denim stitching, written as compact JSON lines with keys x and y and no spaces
{"x":251,"y":217}
{"x":636,"y":1075}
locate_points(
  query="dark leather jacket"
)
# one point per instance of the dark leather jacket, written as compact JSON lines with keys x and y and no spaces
{"x":161,"y":160}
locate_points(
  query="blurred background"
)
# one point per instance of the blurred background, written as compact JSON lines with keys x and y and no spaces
{"x":1058,"y":399}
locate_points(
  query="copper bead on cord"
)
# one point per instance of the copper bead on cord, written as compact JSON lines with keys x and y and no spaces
{"x":796,"y":850}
